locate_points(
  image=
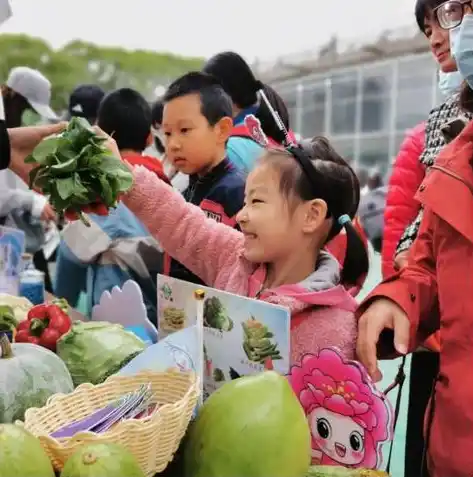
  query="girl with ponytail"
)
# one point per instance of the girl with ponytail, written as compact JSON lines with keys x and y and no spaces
{"x":296,"y":200}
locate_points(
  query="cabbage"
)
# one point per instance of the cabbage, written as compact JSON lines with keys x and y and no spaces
{"x":95,"y":350}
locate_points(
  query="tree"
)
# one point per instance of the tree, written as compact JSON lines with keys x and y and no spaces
{"x":82,"y":62}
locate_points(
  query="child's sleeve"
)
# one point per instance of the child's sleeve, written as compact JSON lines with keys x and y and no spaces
{"x":201,"y":244}
{"x":225,"y":202}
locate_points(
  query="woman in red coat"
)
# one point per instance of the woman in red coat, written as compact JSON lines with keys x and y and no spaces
{"x":434,"y":291}
{"x":403,"y":213}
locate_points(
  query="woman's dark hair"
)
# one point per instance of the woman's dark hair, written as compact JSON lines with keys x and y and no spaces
{"x":236,"y":77}
{"x":337,"y":184}
{"x":268,"y":124}
{"x":423,"y":9}
{"x":466,"y":98}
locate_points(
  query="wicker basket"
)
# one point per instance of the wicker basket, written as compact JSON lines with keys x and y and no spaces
{"x":152,"y":440}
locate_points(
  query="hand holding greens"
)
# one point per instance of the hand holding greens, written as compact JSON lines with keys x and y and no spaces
{"x":76,"y":169}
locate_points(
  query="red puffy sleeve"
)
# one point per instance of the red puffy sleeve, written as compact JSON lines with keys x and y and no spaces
{"x":401,"y":207}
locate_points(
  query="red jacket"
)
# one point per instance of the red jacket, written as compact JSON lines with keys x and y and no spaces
{"x":401,"y":208}
{"x":151,"y":163}
{"x":435,"y":290}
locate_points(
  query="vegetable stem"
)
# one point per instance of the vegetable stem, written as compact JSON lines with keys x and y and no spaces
{"x":84,"y":219}
{"x":5,"y":347}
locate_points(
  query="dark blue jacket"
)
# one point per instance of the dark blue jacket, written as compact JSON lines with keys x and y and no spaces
{"x":220,"y":194}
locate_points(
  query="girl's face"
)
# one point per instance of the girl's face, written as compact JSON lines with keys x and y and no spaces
{"x":273,"y":227}
{"x":337,"y":436}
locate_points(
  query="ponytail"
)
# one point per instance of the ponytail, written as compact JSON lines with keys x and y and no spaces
{"x":356,"y":262}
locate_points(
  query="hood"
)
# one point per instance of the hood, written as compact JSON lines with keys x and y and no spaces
{"x":321,"y":288}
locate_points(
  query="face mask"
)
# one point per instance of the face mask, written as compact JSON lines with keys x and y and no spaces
{"x":450,"y":83}
{"x":462,"y":49}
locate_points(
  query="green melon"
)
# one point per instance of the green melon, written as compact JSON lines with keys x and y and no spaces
{"x":102,"y":460}
{"x":252,"y":426}
{"x":21,"y":454}
{"x":29,"y":375}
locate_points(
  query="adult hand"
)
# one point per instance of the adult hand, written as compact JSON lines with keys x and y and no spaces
{"x":48,"y":214}
{"x":400,"y":260}
{"x":22,"y":142}
{"x":381,"y":314}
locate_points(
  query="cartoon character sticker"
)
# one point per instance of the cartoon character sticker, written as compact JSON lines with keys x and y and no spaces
{"x":349,"y":419}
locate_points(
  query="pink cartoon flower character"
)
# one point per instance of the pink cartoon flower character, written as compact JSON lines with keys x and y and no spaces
{"x":349,"y":420}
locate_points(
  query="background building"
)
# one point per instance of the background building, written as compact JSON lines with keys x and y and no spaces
{"x":362,"y":95}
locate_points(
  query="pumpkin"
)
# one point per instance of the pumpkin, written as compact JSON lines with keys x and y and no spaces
{"x":29,"y":375}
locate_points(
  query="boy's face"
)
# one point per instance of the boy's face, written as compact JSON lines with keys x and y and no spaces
{"x":191,"y":143}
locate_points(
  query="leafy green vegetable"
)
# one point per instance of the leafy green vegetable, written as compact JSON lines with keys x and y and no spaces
{"x":8,"y":321}
{"x":218,"y":375}
{"x":257,"y":343}
{"x":94,"y":350}
{"x":75,"y":169}
{"x":216,"y":315}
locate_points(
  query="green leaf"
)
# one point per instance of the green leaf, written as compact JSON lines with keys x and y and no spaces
{"x":43,"y":180}
{"x":65,"y":187}
{"x":63,"y":167}
{"x":107,"y":193}
{"x":44,"y":149}
{"x":65,"y":150}
{"x":114,"y":167}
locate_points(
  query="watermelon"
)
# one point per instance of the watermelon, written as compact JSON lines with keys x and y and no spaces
{"x":29,"y":375}
{"x":21,"y":454}
{"x":101,"y":460}
{"x":252,"y":426}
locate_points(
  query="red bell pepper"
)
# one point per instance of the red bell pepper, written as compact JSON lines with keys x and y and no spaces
{"x":44,"y":325}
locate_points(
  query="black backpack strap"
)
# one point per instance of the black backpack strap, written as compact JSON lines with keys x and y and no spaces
{"x":398,"y":382}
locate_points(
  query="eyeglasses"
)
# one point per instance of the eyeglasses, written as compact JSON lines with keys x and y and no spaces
{"x":450,"y":14}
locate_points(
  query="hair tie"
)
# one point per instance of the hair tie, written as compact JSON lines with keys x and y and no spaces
{"x":344,"y":219}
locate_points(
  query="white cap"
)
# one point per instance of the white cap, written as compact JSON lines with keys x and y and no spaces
{"x":34,"y":87}
{"x":5,"y":11}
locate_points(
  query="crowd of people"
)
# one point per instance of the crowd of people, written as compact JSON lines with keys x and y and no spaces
{"x":224,"y":195}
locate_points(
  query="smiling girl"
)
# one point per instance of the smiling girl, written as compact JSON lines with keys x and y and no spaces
{"x":296,"y":200}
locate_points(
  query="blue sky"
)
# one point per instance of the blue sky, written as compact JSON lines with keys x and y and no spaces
{"x":255,"y":28}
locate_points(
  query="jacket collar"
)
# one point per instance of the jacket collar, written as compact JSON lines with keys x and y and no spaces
{"x":448,"y":186}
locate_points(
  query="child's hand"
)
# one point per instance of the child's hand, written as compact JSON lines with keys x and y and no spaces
{"x":110,"y":143}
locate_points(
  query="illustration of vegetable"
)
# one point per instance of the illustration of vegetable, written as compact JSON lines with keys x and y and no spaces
{"x":174,"y":318}
{"x":75,"y":169}
{"x":216,"y":315}
{"x":257,"y":342}
{"x":218,"y":375}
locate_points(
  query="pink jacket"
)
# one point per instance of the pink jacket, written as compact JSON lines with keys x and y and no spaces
{"x":322,"y":310}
